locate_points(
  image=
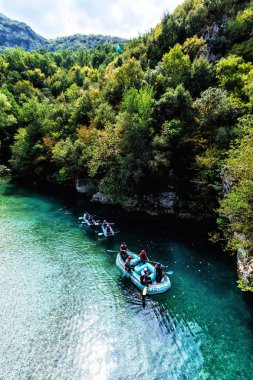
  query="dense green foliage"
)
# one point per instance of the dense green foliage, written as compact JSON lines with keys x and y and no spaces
{"x":173,"y":111}
{"x":81,"y":41}
{"x":18,"y":34}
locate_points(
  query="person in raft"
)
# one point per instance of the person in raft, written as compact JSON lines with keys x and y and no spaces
{"x":159,"y":269}
{"x":123,"y":251}
{"x":143,"y":257}
{"x":128,"y":267}
{"x":108,"y":229}
{"x":145,"y":279}
{"x":89,"y":218}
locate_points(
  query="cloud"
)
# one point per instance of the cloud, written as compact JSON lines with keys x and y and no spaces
{"x":54,"y":18}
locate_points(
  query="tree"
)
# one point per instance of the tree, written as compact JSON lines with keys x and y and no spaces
{"x":202,"y":76}
{"x":176,"y":66}
{"x":217,"y":114}
{"x":7,"y":121}
{"x":195,"y":47}
{"x":236,"y":208}
{"x":231,"y":72}
{"x":122,"y":78}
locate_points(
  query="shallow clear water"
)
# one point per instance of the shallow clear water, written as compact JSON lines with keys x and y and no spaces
{"x":67,"y":313}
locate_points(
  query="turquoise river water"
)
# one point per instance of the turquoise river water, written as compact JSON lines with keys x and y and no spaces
{"x":67,"y":313}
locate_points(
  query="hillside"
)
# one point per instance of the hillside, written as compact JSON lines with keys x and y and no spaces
{"x":80,"y":41}
{"x":18,"y":34}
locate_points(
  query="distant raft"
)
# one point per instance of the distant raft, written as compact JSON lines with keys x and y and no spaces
{"x":90,"y":223}
{"x":134,"y":275}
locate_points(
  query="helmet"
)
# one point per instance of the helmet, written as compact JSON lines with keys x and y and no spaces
{"x":145,"y":269}
{"x":143,"y":251}
{"x":104,"y":221}
{"x":129,"y":258}
{"x":158,"y":264}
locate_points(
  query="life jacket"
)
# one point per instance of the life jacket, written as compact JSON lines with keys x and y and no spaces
{"x":127,"y":265}
{"x":159,"y":270}
{"x":143,"y":255}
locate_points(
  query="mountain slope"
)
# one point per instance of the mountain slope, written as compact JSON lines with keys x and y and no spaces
{"x":18,"y":34}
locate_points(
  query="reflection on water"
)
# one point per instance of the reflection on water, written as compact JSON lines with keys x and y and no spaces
{"x":66,"y":312}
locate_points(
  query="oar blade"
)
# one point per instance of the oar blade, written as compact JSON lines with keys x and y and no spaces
{"x":144,"y":292}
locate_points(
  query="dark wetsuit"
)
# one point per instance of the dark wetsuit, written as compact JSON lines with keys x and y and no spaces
{"x":145,"y":279}
{"x":159,"y":272}
{"x":123,"y":252}
{"x":128,"y":266}
{"x":108,"y":229}
{"x":143,"y":257}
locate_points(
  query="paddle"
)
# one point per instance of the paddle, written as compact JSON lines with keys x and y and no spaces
{"x":125,"y":273}
{"x":170,"y":272}
{"x":144,"y":292}
{"x":110,"y":250}
{"x":81,"y":217}
{"x":155,"y":262}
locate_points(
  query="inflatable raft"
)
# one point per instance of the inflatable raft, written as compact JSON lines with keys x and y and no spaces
{"x":90,"y":223}
{"x":134,"y":275}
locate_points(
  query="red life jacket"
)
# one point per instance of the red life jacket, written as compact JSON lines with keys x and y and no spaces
{"x":143,"y":255}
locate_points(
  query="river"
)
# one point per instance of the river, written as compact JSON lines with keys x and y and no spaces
{"x":67,"y":313}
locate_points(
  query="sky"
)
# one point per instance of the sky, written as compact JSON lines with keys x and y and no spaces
{"x":57,"y":18}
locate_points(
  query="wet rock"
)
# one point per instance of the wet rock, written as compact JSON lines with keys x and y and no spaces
{"x":101,"y":198}
{"x":162,"y":203}
{"x":245,"y":267}
{"x":86,"y":186}
{"x":167,"y":200}
{"x":227,"y":181}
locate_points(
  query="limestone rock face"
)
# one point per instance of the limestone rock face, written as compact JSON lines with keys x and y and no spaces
{"x":162,"y":203}
{"x":245,"y":267}
{"x":101,"y":198}
{"x":87,"y":186}
{"x":227,"y":181}
{"x":167,"y":199}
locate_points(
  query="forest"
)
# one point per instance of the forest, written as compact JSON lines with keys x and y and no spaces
{"x":169,"y":110}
